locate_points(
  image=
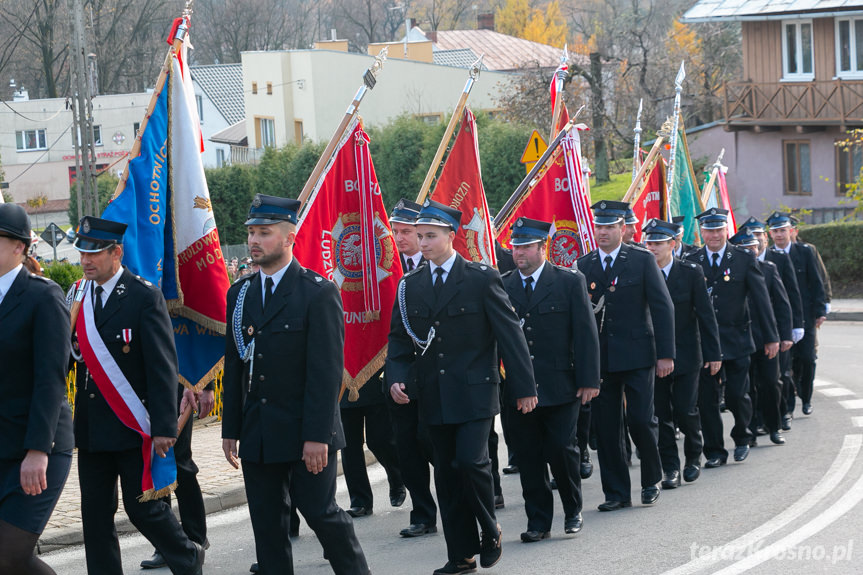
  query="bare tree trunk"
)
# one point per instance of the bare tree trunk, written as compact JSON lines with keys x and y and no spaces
{"x":597,"y":106}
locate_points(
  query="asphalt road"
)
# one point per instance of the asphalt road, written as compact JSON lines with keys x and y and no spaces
{"x":792,"y":509}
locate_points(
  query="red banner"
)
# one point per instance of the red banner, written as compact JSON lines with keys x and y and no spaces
{"x":460,"y":186}
{"x":345,"y":236}
{"x":725,"y":200}
{"x":650,"y":203}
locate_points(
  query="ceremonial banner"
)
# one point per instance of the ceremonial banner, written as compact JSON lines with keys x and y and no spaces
{"x":460,"y":186}
{"x":564,"y":113}
{"x":650,"y":203}
{"x":683,"y":197}
{"x":723,"y":200}
{"x":562,"y":198}
{"x":344,"y":235}
{"x":171,"y":239}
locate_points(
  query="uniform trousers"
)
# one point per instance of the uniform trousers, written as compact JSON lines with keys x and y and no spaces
{"x":676,"y":401}
{"x":493,"y":444}
{"x":787,"y":380}
{"x":97,"y":474}
{"x":803,"y":368}
{"x":190,"y":501}
{"x":269,"y":488}
{"x":370,"y":424}
{"x":737,"y":401}
{"x":464,"y":484}
{"x":415,"y":455}
{"x":766,"y":390}
{"x":608,"y":411}
{"x":542,"y":438}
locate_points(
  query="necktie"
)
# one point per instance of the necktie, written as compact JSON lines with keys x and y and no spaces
{"x":268,"y":291}
{"x":608,"y":261}
{"x":715,"y":261}
{"x":438,"y":282}
{"x":528,"y":287}
{"x":410,"y":264}
{"x":97,"y":302}
{"x":665,"y":275}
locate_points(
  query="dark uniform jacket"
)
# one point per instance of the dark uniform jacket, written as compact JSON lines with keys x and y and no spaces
{"x":560,"y":332}
{"x":789,"y":281}
{"x":695,"y":329}
{"x":745,"y":284}
{"x":34,"y":353}
{"x":638,"y":323}
{"x":292,"y":396}
{"x":778,"y":301}
{"x":822,"y":271}
{"x":809,"y":280}
{"x":456,"y":379}
{"x":150,"y":367}
{"x":405,"y":265}
{"x":505,"y":262}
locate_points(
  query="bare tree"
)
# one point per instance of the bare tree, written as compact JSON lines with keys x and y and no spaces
{"x":39,"y":59}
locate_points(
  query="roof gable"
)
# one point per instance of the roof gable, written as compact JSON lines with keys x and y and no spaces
{"x":731,"y":10}
{"x":223,"y":85}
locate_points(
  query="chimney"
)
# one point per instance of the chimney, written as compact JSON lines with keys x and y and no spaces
{"x":432,"y":35}
{"x":485,"y":21}
{"x":413,"y":23}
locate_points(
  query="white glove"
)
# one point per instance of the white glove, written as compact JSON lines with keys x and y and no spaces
{"x":797,"y":334}
{"x":828,"y":308}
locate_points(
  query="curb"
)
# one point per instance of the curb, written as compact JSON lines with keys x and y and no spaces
{"x":214,"y":502}
{"x":845,"y":316}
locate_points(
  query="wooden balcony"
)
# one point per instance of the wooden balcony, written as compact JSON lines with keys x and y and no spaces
{"x":802,"y":104}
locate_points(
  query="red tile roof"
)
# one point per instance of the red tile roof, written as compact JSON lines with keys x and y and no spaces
{"x":502,"y":52}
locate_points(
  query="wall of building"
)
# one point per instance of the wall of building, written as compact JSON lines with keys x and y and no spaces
{"x":212,"y":122}
{"x":755,"y":175}
{"x":762,"y":50}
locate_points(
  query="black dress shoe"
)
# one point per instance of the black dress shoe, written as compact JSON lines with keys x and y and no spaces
{"x":713,"y":462}
{"x":691,"y":472}
{"x":753,"y":442}
{"x":573,"y":524}
{"x":253,"y":568}
{"x":534,"y":536}
{"x":490,"y":548}
{"x":397,"y":497}
{"x":741,"y":452}
{"x":359,"y":511}
{"x":649,"y":495}
{"x":498,"y":502}
{"x":761,"y":430}
{"x":154,"y":562}
{"x":672,"y":479}
{"x":200,"y":555}
{"x":777,"y":438}
{"x":586,"y":465}
{"x":418,"y":530}
{"x":510,"y":469}
{"x":613,"y":505}
{"x":457,"y":567}
{"x":807,"y":409}
{"x":786,"y":422}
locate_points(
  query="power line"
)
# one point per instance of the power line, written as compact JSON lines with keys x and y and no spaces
{"x":42,"y":155}
{"x":17,"y":113}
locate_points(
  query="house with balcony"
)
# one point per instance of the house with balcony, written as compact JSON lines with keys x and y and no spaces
{"x":801,"y":91}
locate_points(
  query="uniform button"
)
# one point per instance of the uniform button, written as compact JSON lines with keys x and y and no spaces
{"x":440,"y":339}
{"x":437,"y":324}
{"x":440,"y":355}
{"x":529,"y":328}
{"x":92,"y":396}
{"x":461,"y":309}
{"x":530,"y":343}
{"x":287,"y":326}
{"x":552,"y":308}
{"x":263,"y":400}
{"x":527,"y":315}
{"x":443,"y":371}
{"x":118,"y":337}
{"x":488,"y":379}
{"x":261,"y":378}
{"x":260,"y":356}
{"x":531,"y":358}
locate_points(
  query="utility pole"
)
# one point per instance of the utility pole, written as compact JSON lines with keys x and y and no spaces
{"x":82,"y":113}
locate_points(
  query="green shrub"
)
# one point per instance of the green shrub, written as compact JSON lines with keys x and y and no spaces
{"x":840,"y":245}
{"x":64,"y":273}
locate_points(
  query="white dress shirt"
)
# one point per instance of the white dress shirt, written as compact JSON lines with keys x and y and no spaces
{"x":603,"y":255}
{"x":447,"y":266}
{"x":108,"y":287}
{"x":7,"y":280}
{"x":535,"y":275}
{"x":277,"y":277}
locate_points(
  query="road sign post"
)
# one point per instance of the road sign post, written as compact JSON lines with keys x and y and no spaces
{"x":53,"y":235}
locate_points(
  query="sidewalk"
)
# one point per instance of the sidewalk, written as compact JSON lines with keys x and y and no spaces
{"x":221,"y":485}
{"x":846,"y":310}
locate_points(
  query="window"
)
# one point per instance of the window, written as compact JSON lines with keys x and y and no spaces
{"x":135,"y":127}
{"x":28,"y":140}
{"x":97,"y":136}
{"x":849,"y":162}
{"x":269,"y":88}
{"x":254,"y":87}
{"x":199,"y":100}
{"x":797,"y":51}
{"x":797,"y":167}
{"x":266,"y":133}
{"x":849,"y":48}
{"x":298,"y":131}
{"x":430,"y":119}
{"x":220,"y":157}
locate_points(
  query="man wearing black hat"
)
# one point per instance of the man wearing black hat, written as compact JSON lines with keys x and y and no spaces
{"x":630,"y":227}
{"x":450,"y":321}
{"x":124,"y":323}
{"x":681,"y":248}
{"x":412,"y":438}
{"x":697,"y":346}
{"x":557,"y":320}
{"x":814,"y":307}
{"x":736,"y":287}
{"x":789,"y":281}
{"x":765,"y":385}
{"x":635,"y":318}
{"x":284,"y":360}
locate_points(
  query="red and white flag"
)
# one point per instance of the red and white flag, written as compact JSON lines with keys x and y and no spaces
{"x":460,"y":186}
{"x":344,"y":235}
{"x":650,"y":203}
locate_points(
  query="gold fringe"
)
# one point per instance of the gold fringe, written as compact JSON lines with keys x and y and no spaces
{"x":154,"y":494}
{"x":176,"y":307}
{"x":208,"y":377}
{"x":176,"y":266}
{"x":354,"y":384}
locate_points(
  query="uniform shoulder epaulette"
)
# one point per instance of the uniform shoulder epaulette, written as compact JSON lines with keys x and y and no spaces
{"x":506,"y":274}
{"x":313,"y":276}
{"x":479,"y":266}
{"x":38,"y":277}
{"x":414,"y":271}
{"x":639,"y":248}
{"x":242,"y":279}
{"x":689,"y":264}
{"x":147,"y":283}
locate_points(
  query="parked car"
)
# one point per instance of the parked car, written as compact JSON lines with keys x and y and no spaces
{"x":70,"y":235}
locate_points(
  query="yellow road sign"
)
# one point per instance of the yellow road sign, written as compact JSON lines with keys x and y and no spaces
{"x":534,"y":150}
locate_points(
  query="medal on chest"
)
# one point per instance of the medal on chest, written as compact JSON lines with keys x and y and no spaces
{"x":727,"y":275}
{"x":127,"y":339}
{"x":613,"y":285}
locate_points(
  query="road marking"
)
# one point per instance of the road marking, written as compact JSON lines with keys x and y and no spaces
{"x":838,"y":470}
{"x":845,"y":503}
{"x":857,"y":421}
{"x":821,"y":383}
{"x":836,"y":392}
{"x":852,"y":403}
